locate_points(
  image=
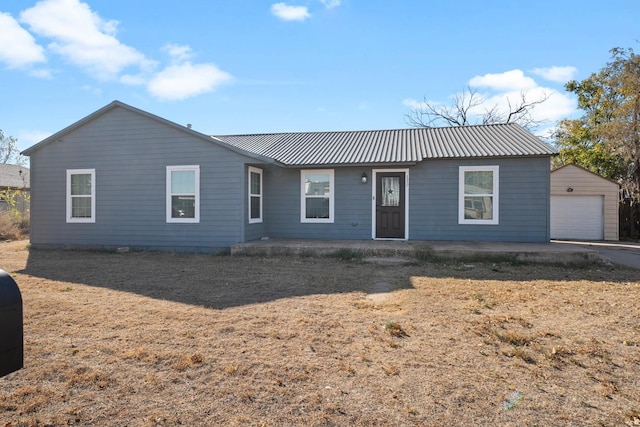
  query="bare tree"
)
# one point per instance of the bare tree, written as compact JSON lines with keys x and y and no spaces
{"x":9,"y":152}
{"x":468,"y":108}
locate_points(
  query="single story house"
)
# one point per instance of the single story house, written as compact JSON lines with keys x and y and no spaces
{"x":584,"y":206}
{"x":124,"y":177}
{"x":14,"y":178}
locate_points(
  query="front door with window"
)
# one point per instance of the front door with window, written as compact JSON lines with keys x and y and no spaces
{"x":390,"y":205}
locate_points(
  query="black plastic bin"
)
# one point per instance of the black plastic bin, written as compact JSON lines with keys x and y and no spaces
{"x":11,"y":333}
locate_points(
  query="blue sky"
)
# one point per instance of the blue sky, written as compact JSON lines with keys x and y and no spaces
{"x":232,"y":67}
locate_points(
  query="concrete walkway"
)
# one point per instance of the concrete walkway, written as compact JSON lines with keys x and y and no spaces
{"x":624,"y":253}
{"x":554,"y":252}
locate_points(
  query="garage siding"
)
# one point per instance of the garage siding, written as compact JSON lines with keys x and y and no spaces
{"x":571,"y":181}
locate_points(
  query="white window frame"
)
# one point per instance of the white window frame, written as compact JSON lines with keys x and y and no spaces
{"x":303,"y":196}
{"x":196,"y":169}
{"x":495,"y":196}
{"x":251,"y":195}
{"x":91,"y":172}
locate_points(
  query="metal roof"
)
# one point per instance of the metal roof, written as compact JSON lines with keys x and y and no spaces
{"x":391,"y":146}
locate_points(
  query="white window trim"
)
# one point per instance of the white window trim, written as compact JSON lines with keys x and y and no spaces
{"x":91,"y":172}
{"x":259,"y":172}
{"x":495,"y":195}
{"x":303,"y":196}
{"x":196,"y":169}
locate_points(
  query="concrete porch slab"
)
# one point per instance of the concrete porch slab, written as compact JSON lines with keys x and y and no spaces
{"x":553,"y":253}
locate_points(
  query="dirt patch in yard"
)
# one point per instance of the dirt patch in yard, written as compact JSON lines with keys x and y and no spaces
{"x":158,"y":339}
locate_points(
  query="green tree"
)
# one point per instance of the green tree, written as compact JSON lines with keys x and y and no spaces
{"x":577,"y":145}
{"x":9,"y":151}
{"x":606,"y":139}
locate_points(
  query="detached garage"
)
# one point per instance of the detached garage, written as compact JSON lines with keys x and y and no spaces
{"x":584,"y":206}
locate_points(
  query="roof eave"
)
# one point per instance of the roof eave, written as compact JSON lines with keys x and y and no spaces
{"x":56,"y":136}
{"x":411,"y":163}
{"x":346,"y":165}
{"x":118,"y":104}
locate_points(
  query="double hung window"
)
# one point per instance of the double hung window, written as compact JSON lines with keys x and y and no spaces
{"x":81,"y":195}
{"x":255,"y":195}
{"x":478,"y":195}
{"x":183,"y":193}
{"x":317,"y":190}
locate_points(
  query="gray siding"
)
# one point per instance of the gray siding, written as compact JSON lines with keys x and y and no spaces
{"x":433,"y":203}
{"x":352,"y":206}
{"x":523,"y":198}
{"x":130,"y":150}
{"x":129,"y":153}
{"x":585,"y":183}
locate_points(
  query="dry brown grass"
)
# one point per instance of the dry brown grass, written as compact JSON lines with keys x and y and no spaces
{"x":149,"y":339}
{"x":13,"y":226}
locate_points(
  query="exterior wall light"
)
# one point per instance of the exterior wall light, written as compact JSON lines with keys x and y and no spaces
{"x":364,"y":177}
{"x":569,"y":190}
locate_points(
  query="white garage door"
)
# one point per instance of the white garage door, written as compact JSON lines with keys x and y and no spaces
{"x":577,"y":217}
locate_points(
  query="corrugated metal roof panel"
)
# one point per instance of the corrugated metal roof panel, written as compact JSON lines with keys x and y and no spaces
{"x":391,"y":146}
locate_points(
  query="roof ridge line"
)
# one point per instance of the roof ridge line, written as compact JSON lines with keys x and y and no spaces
{"x":364,"y":130}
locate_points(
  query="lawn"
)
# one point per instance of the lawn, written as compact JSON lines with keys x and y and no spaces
{"x":159,"y":339}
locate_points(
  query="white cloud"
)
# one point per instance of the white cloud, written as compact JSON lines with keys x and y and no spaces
{"x":556,"y":74}
{"x":504,"y":91}
{"x":330,"y":4}
{"x":509,"y":80}
{"x":18,"y":48}
{"x":290,"y":13}
{"x":182,"y":81}
{"x":179,"y":53}
{"x":83,"y":37}
{"x":88,"y":41}
{"x":557,"y":106}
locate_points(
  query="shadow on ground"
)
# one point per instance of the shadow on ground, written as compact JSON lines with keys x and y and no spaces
{"x":208,"y":280}
{"x":228,"y":281}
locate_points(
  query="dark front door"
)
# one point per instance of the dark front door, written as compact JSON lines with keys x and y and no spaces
{"x":390,"y":205}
